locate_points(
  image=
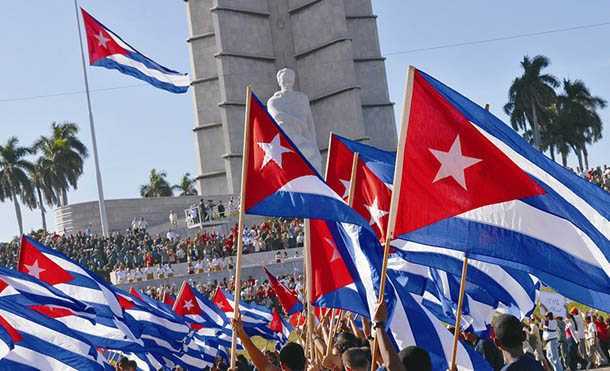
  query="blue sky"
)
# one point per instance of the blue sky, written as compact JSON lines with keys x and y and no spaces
{"x":140,"y":127}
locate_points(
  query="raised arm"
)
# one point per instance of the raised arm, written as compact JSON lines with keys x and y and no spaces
{"x":257,"y":357}
{"x":386,"y":348}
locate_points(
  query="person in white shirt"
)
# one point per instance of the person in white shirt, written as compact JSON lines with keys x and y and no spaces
{"x":170,"y":235}
{"x":121,"y":275}
{"x":199,"y":267}
{"x":142,"y":224}
{"x":160,"y":271}
{"x":169,"y":271}
{"x":551,"y":339}
{"x":129,"y":276}
{"x":150,"y":272}
{"x":138,"y":274}
{"x":580,"y":332}
{"x":593,"y":342}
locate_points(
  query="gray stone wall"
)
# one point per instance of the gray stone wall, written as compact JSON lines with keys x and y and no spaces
{"x":333,"y":47}
{"x":79,"y":216}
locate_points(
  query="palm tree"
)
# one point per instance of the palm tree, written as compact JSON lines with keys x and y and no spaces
{"x":186,"y":186}
{"x":42,"y":181}
{"x":578,"y":118}
{"x":158,"y":186}
{"x":14,"y":180}
{"x":530,"y":95}
{"x":64,"y":156}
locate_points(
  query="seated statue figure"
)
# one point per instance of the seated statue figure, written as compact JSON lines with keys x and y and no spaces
{"x":291,"y":111}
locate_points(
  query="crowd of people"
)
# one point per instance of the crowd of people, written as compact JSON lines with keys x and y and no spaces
{"x":137,"y":248}
{"x":252,"y":291}
{"x":599,"y":176}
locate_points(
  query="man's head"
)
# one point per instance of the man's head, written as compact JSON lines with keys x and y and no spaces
{"x":357,"y":359}
{"x":292,"y":357}
{"x":346,"y":340}
{"x":588,"y":319}
{"x":285,"y":79}
{"x":415,"y":358}
{"x":123,"y":364}
{"x":548,"y":315}
{"x":509,"y":333}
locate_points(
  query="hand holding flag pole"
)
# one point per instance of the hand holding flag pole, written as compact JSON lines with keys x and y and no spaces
{"x":242,"y":211}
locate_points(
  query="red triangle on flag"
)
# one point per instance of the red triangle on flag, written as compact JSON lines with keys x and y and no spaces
{"x":186,"y":303}
{"x":221,"y":301}
{"x":100,"y":43}
{"x":15,"y":335}
{"x":329,"y":271}
{"x":449,"y":167}
{"x":52,"y":312}
{"x":272,"y":159}
{"x":36,"y":264}
{"x":276,"y":323}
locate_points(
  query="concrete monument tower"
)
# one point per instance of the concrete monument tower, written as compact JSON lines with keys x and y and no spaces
{"x":326,"y":49}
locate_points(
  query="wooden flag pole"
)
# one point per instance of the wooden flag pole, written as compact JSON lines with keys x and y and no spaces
{"x":309,"y":321}
{"x":400,"y":154}
{"x":331,"y":335}
{"x":352,"y":180}
{"x":242,"y":212}
{"x":458,"y":316}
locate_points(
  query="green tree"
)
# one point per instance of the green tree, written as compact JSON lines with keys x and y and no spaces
{"x":157,"y":186}
{"x":42,"y":182}
{"x":14,"y":180}
{"x":578,"y":123}
{"x":530,"y":95}
{"x":186,"y":186}
{"x":64,"y":155}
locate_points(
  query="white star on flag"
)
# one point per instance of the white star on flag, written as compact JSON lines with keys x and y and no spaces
{"x":188,"y":304}
{"x":376,"y":213}
{"x":453,"y":163}
{"x":34,"y":269}
{"x":335,"y":251}
{"x":102,"y":40}
{"x":346,"y":184}
{"x":273,"y":151}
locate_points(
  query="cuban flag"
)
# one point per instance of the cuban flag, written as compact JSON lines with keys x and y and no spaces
{"x":414,"y":324}
{"x":372,"y":190}
{"x":486,"y":283}
{"x":198,"y":310}
{"x":63,"y":273}
{"x":26,"y":290}
{"x":280,"y":181}
{"x":281,"y":327}
{"x":471,"y":183}
{"x":159,"y":329}
{"x":290,"y":302}
{"x":251,"y":314}
{"x":40,"y":342}
{"x":107,"y":49}
{"x":336,"y":281}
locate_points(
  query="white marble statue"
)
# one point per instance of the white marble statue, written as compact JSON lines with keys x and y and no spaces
{"x":291,"y":111}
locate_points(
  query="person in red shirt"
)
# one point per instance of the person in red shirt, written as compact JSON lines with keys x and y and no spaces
{"x":149,"y":260}
{"x":602,"y":334}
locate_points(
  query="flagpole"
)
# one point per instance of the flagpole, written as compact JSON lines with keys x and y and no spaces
{"x":400,"y":154}
{"x":310,"y":325}
{"x":458,"y":316}
{"x":98,"y":175}
{"x":242,"y":212}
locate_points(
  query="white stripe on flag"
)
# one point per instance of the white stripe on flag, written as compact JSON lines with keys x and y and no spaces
{"x":594,"y":217}
{"x":174,"y":79}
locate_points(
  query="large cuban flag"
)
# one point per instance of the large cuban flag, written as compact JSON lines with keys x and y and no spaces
{"x":281,"y":182}
{"x":471,"y":183}
{"x":107,"y":49}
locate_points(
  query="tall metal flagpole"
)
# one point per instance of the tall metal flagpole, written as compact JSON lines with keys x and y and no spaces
{"x":98,"y":175}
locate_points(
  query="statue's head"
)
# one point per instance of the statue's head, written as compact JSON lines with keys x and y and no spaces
{"x":285,"y":79}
